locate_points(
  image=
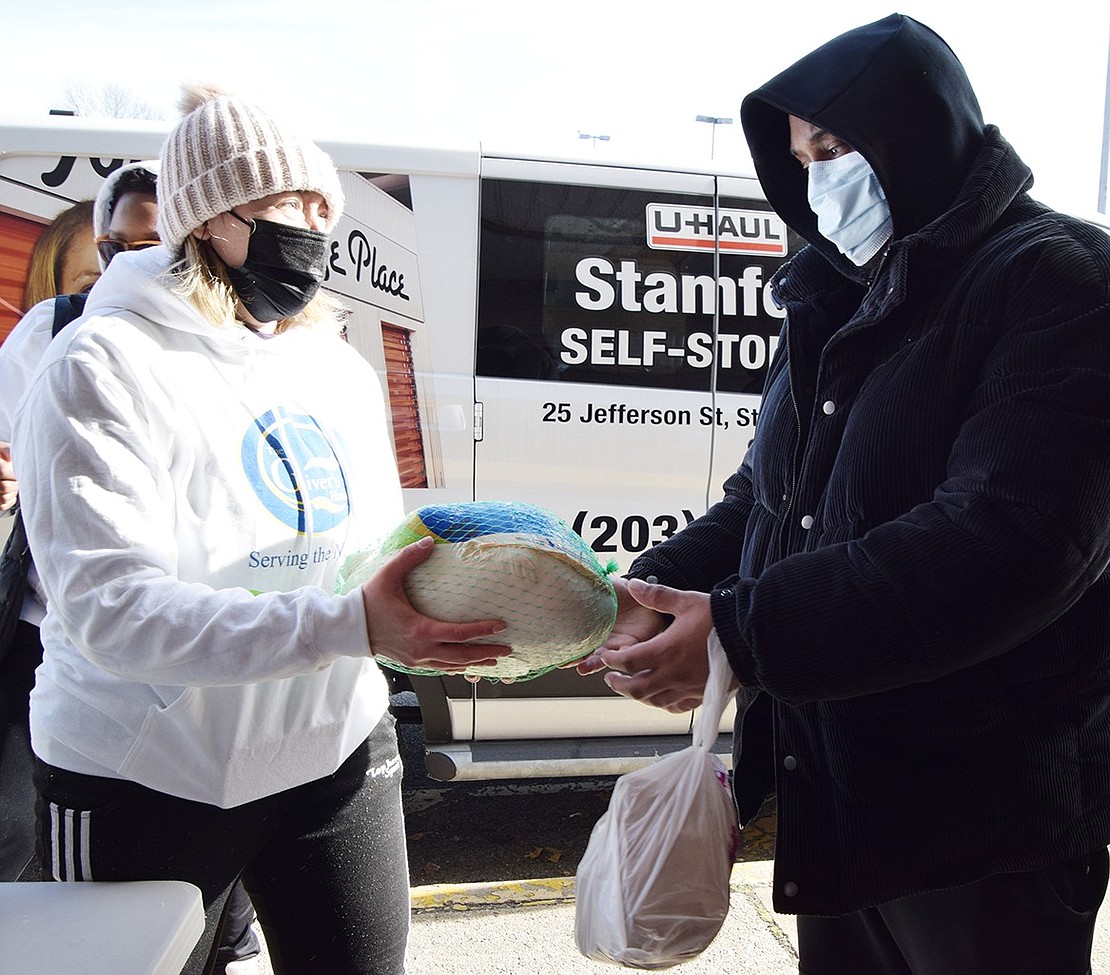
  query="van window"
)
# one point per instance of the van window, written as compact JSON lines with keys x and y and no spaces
{"x":582,"y":284}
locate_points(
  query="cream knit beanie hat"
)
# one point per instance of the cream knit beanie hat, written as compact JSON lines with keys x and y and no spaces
{"x":225,"y":152}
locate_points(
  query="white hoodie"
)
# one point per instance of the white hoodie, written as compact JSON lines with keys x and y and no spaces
{"x":19,"y":355}
{"x":189,"y":493}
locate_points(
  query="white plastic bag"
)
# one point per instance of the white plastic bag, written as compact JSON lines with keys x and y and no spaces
{"x":652,"y":888}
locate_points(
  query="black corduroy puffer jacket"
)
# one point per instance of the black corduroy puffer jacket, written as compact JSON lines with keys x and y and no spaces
{"x":909,"y":569}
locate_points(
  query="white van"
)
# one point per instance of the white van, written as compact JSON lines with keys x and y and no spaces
{"x":586,"y":336}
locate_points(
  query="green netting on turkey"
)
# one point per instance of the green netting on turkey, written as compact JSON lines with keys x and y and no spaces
{"x":502,"y":560}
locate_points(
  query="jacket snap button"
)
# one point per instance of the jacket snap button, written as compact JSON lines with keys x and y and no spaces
{"x":790,"y":763}
{"x":789,"y":889}
{"x":828,"y":407}
{"x":807,"y":522}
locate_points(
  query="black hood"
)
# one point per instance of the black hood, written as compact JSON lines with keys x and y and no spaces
{"x":896,"y":93}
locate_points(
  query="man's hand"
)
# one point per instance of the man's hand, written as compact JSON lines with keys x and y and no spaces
{"x":399,"y":632}
{"x":634,"y":624}
{"x":9,"y":486}
{"x":667,"y":667}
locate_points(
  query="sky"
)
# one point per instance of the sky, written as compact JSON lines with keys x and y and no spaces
{"x":530,"y":77}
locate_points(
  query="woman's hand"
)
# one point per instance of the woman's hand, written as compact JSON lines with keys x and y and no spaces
{"x":665,"y":667}
{"x":9,"y":486}
{"x":399,"y":632}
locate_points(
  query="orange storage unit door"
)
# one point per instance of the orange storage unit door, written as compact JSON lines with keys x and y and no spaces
{"x":17,"y":239}
{"x":405,"y":406}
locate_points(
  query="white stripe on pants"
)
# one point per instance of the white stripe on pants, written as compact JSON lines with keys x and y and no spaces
{"x":69,"y":844}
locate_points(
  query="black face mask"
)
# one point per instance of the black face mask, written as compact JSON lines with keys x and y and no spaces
{"x":283,"y":270}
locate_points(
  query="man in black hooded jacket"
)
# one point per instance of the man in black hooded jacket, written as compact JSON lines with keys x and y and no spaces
{"x":908,"y":573}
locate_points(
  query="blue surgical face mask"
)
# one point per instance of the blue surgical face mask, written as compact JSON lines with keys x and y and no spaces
{"x":850,"y":205}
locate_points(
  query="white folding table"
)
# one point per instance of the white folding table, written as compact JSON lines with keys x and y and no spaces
{"x":146,"y":927}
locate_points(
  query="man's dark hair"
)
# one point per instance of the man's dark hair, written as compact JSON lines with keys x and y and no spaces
{"x":136,"y":180}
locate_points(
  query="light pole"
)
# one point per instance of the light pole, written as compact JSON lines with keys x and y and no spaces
{"x":713,"y":120}
{"x":594,"y":138}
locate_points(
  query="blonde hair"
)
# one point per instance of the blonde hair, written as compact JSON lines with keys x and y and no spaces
{"x":200,"y":277}
{"x":44,"y":274}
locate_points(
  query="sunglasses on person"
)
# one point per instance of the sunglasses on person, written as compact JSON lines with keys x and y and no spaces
{"x":108,"y":247}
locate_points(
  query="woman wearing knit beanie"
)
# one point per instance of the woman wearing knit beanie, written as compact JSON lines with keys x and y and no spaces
{"x":197,"y":456}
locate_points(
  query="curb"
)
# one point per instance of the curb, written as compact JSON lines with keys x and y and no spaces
{"x":463,"y":897}
{"x":550,"y":890}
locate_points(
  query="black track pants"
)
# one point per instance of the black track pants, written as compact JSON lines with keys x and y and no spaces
{"x":324,"y":863}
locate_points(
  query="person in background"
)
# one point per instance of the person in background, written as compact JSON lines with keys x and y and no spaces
{"x":122,"y":217}
{"x":58,"y":261}
{"x":197,"y":457}
{"x":64,"y":259}
{"x":908,"y":572}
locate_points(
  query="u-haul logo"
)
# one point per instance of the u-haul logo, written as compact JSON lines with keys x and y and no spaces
{"x":679,"y":228}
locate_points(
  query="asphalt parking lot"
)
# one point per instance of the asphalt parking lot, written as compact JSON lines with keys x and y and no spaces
{"x":512,"y":829}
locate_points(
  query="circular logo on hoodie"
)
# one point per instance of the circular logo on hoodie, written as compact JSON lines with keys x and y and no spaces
{"x":295,"y":472}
